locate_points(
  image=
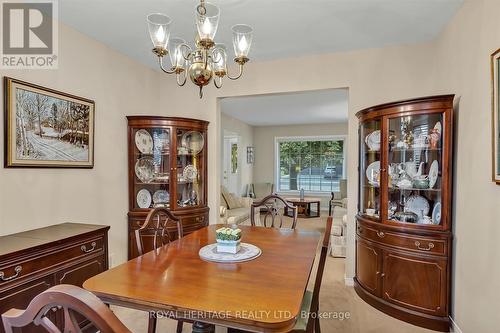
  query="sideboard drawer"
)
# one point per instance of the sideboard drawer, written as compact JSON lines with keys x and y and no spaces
{"x":404,"y":241}
{"x":14,"y":271}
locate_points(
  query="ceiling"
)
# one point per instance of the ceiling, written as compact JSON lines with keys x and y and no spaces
{"x":311,"y":107}
{"x":282,"y":28}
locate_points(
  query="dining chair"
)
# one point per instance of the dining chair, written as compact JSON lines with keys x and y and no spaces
{"x":71,"y":300}
{"x":160,"y":228}
{"x":274,"y":208}
{"x":310,"y":302}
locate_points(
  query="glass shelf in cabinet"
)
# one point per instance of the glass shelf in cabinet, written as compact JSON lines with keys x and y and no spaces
{"x":414,"y":149}
{"x":152,"y":183}
{"x":391,"y":188}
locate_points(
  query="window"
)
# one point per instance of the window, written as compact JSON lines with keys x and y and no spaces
{"x":315,"y":164}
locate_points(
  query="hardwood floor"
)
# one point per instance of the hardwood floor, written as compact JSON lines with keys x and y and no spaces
{"x":334,"y":297}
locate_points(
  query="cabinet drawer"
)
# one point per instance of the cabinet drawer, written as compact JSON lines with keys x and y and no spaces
{"x":193,"y":223}
{"x":15,"y":271}
{"x":407,"y":242}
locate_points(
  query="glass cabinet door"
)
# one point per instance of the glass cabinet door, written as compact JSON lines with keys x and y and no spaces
{"x":414,"y":164}
{"x":151,"y":167}
{"x":370,"y":157}
{"x":190,"y":169}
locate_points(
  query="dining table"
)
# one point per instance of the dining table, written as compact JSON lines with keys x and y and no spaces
{"x":259,"y":295}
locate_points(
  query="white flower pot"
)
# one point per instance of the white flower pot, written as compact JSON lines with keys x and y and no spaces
{"x":228,"y":246}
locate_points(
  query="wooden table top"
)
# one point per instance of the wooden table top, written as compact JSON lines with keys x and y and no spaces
{"x":305,"y":200}
{"x":264,"y":294}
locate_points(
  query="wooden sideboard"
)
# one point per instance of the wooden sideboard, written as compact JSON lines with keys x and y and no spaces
{"x":33,"y":261}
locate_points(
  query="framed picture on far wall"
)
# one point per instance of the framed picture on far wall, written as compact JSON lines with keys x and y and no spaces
{"x":47,"y":128}
{"x":495,"y":75}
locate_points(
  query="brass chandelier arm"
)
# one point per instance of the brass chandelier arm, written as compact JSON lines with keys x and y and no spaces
{"x":239,"y":74}
{"x":160,"y":61}
{"x":189,"y":53}
{"x":218,"y":85}
{"x":179,"y":82}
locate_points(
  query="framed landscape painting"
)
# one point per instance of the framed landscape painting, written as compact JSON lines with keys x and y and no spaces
{"x":495,"y":75}
{"x":47,"y":128}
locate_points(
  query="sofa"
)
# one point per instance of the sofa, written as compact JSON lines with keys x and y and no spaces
{"x":234,"y":209}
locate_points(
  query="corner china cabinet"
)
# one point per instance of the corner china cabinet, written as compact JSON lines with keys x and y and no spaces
{"x":167,"y":168}
{"x":403,"y":232}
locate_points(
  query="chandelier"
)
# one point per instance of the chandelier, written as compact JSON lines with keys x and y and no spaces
{"x":208,"y":61}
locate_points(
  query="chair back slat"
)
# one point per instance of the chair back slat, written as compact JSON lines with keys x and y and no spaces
{"x":273,"y":211}
{"x":321,"y":265}
{"x":72,"y":300}
{"x":161,"y":227}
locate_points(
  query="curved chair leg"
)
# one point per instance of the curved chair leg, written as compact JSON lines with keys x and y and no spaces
{"x":180,"y":323}
{"x":152,"y":324}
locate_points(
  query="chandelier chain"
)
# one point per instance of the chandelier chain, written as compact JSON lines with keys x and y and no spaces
{"x":202,"y":10}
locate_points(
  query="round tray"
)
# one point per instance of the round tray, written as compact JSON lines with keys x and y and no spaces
{"x":247,"y":252}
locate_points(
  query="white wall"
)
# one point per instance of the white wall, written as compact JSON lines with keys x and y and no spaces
{"x":246,"y":139}
{"x":264,"y":137}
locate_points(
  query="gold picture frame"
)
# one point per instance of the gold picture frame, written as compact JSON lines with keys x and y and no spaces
{"x":45,"y":128}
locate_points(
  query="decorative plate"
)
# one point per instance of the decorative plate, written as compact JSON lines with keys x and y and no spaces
{"x":436,"y":214}
{"x":161,"y":197}
{"x":144,"y":141}
{"x":438,"y":127}
{"x":246,"y":253}
{"x":145,"y":169}
{"x":417,"y":204}
{"x":372,"y":140}
{"x":433,"y":173}
{"x":193,"y":141}
{"x":190,"y":173}
{"x":373,"y":172}
{"x":143,"y":198}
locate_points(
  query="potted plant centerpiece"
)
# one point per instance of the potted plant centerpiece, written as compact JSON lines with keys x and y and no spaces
{"x":228,"y":240}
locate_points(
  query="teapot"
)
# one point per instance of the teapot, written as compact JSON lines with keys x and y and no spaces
{"x":411,"y":169}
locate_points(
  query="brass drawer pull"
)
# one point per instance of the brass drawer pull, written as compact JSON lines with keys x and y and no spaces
{"x":17,"y":269}
{"x":380,"y":234}
{"x":428,"y":248}
{"x":84,"y":248}
{"x":360,"y":230}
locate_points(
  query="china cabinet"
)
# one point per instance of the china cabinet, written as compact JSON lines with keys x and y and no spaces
{"x":403,"y":232}
{"x":167,"y":168}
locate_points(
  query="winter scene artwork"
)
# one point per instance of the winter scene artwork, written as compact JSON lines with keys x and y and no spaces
{"x":48,"y":128}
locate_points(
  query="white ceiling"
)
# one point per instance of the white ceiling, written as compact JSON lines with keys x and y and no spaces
{"x":311,"y":107}
{"x":282,"y":28}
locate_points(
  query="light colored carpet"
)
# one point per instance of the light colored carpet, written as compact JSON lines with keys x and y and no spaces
{"x":334,"y":297}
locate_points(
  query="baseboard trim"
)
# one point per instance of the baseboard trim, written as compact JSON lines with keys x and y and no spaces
{"x":454,"y":327}
{"x":349,"y":282}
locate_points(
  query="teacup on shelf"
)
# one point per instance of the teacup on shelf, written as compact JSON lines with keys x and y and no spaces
{"x":421,"y":182}
{"x":370,"y":211}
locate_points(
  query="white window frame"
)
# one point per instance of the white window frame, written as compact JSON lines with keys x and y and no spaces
{"x":279,"y":139}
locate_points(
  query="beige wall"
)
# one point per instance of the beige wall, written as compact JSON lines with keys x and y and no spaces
{"x":265,"y":144}
{"x":31,"y":198}
{"x":464,"y":52}
{"x":455,"y":63}
{"x":245,"y":134}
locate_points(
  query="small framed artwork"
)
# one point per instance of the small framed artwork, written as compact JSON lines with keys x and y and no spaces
{"x":47,"y":128}
{"x":250,"y":155}
{"x":495,"y":75}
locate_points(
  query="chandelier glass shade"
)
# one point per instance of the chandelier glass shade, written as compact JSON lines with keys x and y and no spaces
{"x":207,"y":61}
